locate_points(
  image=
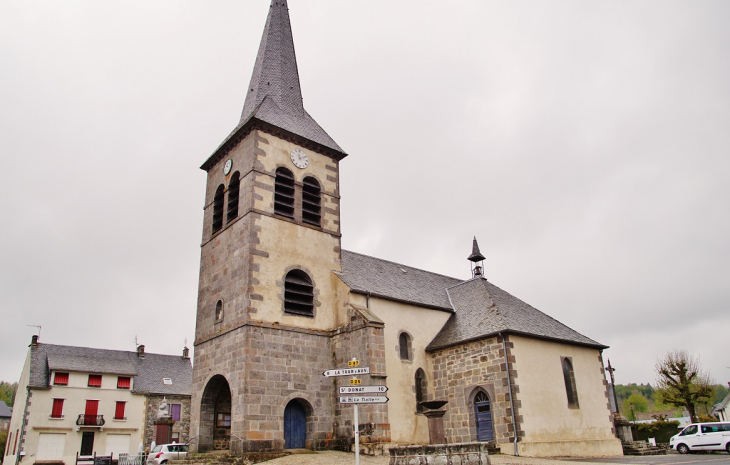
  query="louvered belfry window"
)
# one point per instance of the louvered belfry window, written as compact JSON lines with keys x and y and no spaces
{"x":311,"y":200}
{"x":298,"y":293}
{"x":218,"y":209}
{"x":233,"y":189}
{"x":284,"y":193}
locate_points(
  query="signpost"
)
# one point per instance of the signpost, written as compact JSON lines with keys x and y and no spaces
{"x":356,"y":394}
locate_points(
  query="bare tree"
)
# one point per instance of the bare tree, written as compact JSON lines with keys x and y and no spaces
{"x":681,"y":382}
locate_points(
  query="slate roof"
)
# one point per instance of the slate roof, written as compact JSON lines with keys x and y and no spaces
{"x":480,"y":309}
{"x":148,"y":372}
{"x":274,"y":94}
{"x":394,"y":281}
{"x":5,"y":411}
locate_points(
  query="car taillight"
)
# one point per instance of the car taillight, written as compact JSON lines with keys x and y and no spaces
{"x":158,"y":455}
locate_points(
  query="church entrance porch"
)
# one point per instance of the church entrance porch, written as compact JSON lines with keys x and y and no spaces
{"x":295,"y":424}
{"x":215,"y":416}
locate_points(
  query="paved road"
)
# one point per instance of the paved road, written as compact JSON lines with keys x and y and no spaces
{"x":343,"y":458}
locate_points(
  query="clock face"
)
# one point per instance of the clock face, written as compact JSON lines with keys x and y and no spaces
{"x":227,"y":167}
{"x":299,"y":158}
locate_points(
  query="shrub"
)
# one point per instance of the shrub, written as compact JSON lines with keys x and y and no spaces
{"x":660,"y":430}
{"x":3,"y":440}
{"x":706,"y":419}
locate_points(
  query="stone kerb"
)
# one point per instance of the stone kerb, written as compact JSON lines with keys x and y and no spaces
{"x":470,"y":453}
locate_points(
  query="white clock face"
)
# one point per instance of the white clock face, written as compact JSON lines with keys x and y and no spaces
{"x":299,"y":158}
{"x":227,"y":167}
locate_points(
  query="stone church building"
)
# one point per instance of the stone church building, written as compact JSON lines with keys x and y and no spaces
{"x":280,"y":302}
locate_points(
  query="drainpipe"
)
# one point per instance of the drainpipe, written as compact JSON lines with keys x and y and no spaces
{"x":509,"y":387}
{"x":22,"y":425}
{"x":367,"y":300}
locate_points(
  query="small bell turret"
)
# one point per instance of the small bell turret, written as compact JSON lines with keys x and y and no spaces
{"x":477,"y":261}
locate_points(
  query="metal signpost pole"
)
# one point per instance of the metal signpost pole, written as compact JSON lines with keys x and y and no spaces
{"x":357,"y":437}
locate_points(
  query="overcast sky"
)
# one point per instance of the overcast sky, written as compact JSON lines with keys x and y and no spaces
{"x":585,"y":144}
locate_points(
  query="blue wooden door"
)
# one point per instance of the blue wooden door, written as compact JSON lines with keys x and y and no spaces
{"x":483,"y":413}
{"x":295,"y":426}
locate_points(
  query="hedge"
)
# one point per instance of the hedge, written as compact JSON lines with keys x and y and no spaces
{"x":660,"y":430}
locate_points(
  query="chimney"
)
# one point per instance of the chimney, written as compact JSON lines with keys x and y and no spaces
{"x":140,"y":351}
{"x":34,"y":341}
{"x":186,"y":351}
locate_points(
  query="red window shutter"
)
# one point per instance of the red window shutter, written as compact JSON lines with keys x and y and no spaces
{"x":61,"y":379}
{"x":94,"y":380}
{"x":124,"y":382}
{"x":92,"y":407}
{"x":57,"y":411}
{"x":119,"y":412}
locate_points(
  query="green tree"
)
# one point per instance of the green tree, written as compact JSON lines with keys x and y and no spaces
{"x":3,"y":440}
{"x":7,"y":392}
{"x":681,"y":382}
{"x":640,"y":403}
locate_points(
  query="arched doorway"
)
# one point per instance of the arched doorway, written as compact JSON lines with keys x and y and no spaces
{"x":295,"y":424}
{"x":215,"y":415}
{"x":483,"y":415}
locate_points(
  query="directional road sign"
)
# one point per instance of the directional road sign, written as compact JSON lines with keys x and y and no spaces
{"x":347,"y":371}
{"x":363,"y":389}
{"x":363,"y":399}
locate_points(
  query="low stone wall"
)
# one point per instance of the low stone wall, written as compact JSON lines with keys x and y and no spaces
{"x":469,"y":453}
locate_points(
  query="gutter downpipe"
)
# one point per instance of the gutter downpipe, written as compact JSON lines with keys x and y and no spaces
{"x":22,"y":425}
{"x":509,"y":388}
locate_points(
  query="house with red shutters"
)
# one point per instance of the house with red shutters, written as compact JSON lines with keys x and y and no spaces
{"x":80,"y":401}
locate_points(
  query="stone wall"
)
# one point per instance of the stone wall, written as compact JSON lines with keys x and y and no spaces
{"x":459,"y":373}
{"x":361,"y":339}
{"x":182,"y":427}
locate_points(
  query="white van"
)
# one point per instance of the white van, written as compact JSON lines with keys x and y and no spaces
{"x":702,"y":436}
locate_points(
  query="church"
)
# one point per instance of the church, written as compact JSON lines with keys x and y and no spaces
{"x":280,"y":302}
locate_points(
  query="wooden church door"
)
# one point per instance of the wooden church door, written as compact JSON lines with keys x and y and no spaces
{"x":483,"y":413}
{"x":295,"y":426}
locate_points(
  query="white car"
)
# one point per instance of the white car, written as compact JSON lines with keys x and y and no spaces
{"x":702,"y":436}
{"x":162,"y":453}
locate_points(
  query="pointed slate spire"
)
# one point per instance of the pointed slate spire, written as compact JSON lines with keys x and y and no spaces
{"x":476,"y":255}
{"x":274,"y":94}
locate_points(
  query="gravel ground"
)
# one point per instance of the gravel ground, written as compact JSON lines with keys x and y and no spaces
{"x":343,"y":458}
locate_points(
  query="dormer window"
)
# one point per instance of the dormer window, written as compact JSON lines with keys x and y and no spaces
{"x":60,"y":379}
{"x":311,"y":201}
{"x":94,"y":381}
{"x":284,"y":193}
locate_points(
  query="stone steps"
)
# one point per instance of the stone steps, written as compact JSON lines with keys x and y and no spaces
{"x":642,"y":448}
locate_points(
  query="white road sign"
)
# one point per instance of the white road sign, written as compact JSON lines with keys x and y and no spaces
{"x":363,"y":389}
{"x":363,"y":399}
{"x":347,"y":371}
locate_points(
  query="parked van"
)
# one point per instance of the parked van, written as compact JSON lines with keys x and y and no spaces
{"x":702,"y":436}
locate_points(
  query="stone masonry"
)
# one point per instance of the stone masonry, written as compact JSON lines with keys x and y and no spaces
{"x":460,"y":372}
{"x":181,"y":427}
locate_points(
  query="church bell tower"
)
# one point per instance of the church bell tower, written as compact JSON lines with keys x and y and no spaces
{"x":271,"y":239}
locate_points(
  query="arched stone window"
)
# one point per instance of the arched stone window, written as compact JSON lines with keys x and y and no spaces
{"x":284,"y":193}
{"x":233,"y":190}
{"x":218,"y":209}
{"x":404,"y":346}
{"x":311,"y":201}
{"x":298,"y":293}
{"x":421,"y":389}
{"x":569,"y":378}
{"x":219,"y":311}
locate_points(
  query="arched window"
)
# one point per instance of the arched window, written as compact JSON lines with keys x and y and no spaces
{"x":219,"y":311}
{"x":233,"y":189}
{"x":404,"y":346}
{"x":218,"y":209}
{"x":311,"y":200}
{"x":421,"y":389}
{"x":284,"y":193}
{"x":569,"y":379}
{"x":298,"y":293}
